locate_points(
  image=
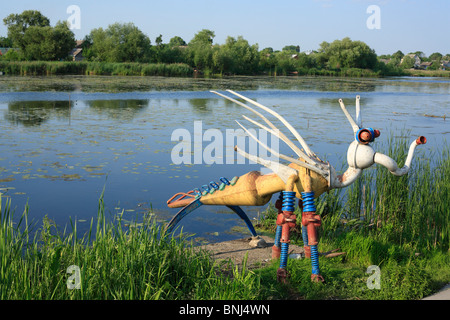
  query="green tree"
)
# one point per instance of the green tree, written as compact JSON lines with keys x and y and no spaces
{"x":200,"y":50}
{"x":18,"y":24}
{"x":168,"y":53}
{"x":31,"y":32}
{"x":285,"y":64}
{"x":5,"y":42}
{"x":322,"y":55}
{"x":48,"y":43}
{"x":63,"y":40}
{"x":242,"y":58}
{"x":407,"y":63}
{"x":395,"y":62}
{"x":176,"y":42}
{"x":346,"y":53}
{"x":292,"y":48}
{"x":120,"y":42}
{"x":159,"y":40}
{"x":398,"y":55}
{"x":203,"y":38}
{"x":12,"y":55}
{"x":223,"y":60}
{"x":267,"y":60}
{"x":436,"y":56}
{"x":385,"y":56}
{"x":158,"y":52}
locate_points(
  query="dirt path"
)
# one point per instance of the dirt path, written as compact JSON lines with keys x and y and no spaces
{"x":237,"y":249}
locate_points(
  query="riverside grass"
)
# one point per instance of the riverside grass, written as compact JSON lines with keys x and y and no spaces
{"x":400,"y":224}
{"x":412,"y":210}
{"x":48,"y":68}
{"x":141,"y":262}
{"x":42,"y":68}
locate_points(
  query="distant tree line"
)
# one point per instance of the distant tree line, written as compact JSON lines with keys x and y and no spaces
{"x":30,"y":32}
{"x":399,"y":59}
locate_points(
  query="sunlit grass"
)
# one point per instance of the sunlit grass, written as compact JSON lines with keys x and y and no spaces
{"x":115,"y":262}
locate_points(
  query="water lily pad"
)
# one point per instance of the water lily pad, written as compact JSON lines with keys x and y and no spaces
{"x":90,"y":168}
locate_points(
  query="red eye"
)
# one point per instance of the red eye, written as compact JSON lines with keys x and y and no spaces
{"x":365,"y":136}
{"x":421,"y":140}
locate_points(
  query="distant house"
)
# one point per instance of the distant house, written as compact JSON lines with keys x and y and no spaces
{"x":385,"y":61}
{"x":77,"y":52}
{"x":3,"y":51}
{"x":445,"y":64}
{"x":424,"y":65}
{"x":416,"y":58}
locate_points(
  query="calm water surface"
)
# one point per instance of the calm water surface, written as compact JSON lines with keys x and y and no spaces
{"x":65,"y":139}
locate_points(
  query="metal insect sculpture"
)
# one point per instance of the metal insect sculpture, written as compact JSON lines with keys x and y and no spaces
{"x":305,"y":178}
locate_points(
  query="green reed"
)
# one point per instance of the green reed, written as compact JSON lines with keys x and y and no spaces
{"x":410,"y":209}
{"x":40,"y":68}
{"x":139,"y":261}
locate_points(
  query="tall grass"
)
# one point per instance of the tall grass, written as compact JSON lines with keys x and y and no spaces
{"x":39,"y":68}
{"x":115,"y":262}
{"x":411,"y":209}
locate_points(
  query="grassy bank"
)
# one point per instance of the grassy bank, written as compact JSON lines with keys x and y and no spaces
{"x":427,"y":73}
{"x":115,"y":262}
{"x":343,"y":72}
{"x":39,"y":68}
{"x":401,"y":224}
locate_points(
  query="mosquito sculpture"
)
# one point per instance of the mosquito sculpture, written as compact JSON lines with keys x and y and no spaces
{"x":304,"y":178}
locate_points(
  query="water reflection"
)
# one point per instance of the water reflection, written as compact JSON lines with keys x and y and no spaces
{"x":200,"y":105}
{"x":118,"y":109}
{"x":34,"y":113}
{"x":349,"y":102}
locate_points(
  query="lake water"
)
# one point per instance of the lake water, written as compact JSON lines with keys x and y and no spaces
{"x":65,"y":139}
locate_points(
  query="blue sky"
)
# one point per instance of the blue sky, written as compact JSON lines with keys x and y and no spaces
{"x":407,"y":25}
